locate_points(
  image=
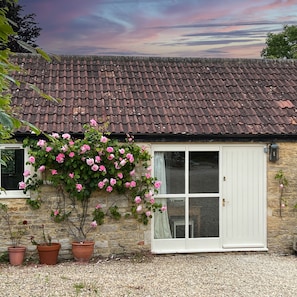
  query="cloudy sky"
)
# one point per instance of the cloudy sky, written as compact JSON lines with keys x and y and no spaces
{"x":172,"y":28}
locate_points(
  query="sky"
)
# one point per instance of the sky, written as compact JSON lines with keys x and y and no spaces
{"x":166,"y":28}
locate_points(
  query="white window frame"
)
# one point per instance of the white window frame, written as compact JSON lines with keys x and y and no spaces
{"x":186,"y":245}
{"x":16,"y":193}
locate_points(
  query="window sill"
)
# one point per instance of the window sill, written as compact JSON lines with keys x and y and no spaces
{"x":13,"y":194}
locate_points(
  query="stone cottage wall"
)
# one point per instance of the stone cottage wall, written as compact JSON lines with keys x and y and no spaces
{"x":114,"y":237}
{"x":128,"y":236}
{"x":282,"y":222}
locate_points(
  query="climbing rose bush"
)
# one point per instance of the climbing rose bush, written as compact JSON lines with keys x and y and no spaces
{"x":79,"y":167}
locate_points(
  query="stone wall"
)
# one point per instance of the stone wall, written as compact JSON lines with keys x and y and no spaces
{"x":113,"y":237}
{"x":281,"y":221}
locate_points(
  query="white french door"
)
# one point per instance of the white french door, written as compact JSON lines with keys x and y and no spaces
{"x":244,"y":198}
{"x":215,"y":198}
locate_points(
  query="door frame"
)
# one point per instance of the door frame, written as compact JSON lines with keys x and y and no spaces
{"x":160,"y":246}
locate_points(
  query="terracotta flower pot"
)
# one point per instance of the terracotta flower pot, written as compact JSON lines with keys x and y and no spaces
{"x":16,"y":255}
{"x":83,"y":251}
{"x":48,"y":254}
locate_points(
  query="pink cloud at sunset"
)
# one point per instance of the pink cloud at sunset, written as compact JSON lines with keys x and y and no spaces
{"x":172,"y":28}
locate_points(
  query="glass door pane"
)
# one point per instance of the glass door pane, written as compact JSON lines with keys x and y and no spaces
{"x":204,"y":217}
{"x":176,"y":215}
{"x":175,"y":172}
{"x":204,"y":172}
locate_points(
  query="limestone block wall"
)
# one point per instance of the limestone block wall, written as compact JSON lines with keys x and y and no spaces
{"x":113,"y":237}
{"x":282,"y":221}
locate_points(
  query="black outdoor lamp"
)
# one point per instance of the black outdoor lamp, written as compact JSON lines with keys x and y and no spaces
{"x":273,"y":152}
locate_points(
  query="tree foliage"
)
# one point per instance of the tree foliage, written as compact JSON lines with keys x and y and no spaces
{"x":281,"y":45}
{"x":25,"y":27}
{"x":9,"y":120}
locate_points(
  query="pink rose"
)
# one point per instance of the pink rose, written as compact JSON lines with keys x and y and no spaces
{"x":41,"y":143}
{"x":26,"y":173}
{"x":56,"y":212}
{"x":101,"y":185}
{"x":164,"y":208}
{"x":97,"y":159}
{"x":157,"y":184}
{"x":137,"y":199}
{"x":139,"y":208}
{"x":48,"y":149}
{"x":133,"y":184}
{"x":71,"y":154}
{"x":122,"y":151}
{"x":123,"y":162}
{"x":60,"y":158}
{"x":148,"y":195}
{"x":109,"y":189}
{"x":95,"y":167}
{"x":102,"y":168}
{"x":94,"y":224}
{"x":84,"y":148}
{"x":130,"y":157}
{"x":41,"y":168}
{"x":98,"y":206}
{"x":55,"y":135}
{"x":54,"y":172}
{"x":90,"y":161}
{"x":71,"y":175}
{"x":103,"y":139}
{"x":110,"y":157}
{"x":31,"y":159}
{"x":93,"y":123}
{"x":22,"y":185}
{"x":66,"y":136}
{"x":109,"y":149}
{"x":120,"y":175}
{"x":112,"y":181}
{"x":148,"y":213}
{"x":78,"y":187}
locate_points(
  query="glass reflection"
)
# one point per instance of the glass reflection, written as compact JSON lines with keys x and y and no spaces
{"x":204,"y":172}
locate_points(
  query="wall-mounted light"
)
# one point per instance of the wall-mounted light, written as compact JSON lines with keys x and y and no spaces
{"x":273,"y":152}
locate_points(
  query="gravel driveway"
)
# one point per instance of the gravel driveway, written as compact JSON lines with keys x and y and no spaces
{"x":152,"y":276}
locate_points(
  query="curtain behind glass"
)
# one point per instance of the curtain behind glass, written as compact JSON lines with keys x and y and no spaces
{"x":161,"y":221}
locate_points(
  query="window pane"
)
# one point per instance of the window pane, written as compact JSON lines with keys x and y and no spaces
{"x":204,"y":216}
{"x":176,"y":214}
{"x":12,"y":174}
{"x":204,"y":172}
{"x":169,"y":167}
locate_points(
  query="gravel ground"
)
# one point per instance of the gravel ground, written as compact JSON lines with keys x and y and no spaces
{"x":152,"y":276}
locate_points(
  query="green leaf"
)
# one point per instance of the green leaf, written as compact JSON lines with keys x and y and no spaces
{"x":6,"y":120}
{"x":44,"y":95}
{"x":43,"y":54}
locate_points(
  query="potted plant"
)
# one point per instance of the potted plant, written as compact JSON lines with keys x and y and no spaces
{"x":79,"y":167}
{"x":16,"y":251}
{"x":48,"y":251}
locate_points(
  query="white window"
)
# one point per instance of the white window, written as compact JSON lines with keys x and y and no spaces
{"x":15,"y":157}
{"x":190,"y":190}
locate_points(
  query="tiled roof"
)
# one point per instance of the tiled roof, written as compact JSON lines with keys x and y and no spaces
{"x":169,"y":96}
